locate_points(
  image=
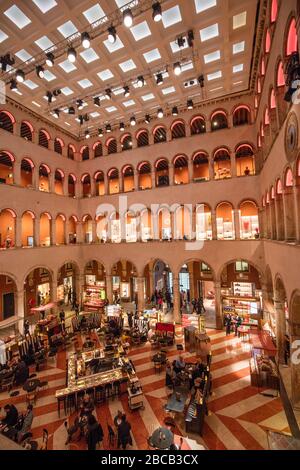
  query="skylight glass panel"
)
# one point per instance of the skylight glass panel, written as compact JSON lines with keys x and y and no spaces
{"x":151,"y":56}
{"x":212,"y":57}
{"x":171,"y":16}
{"x":186,"y":67}
{"x":210,"y":32}
{"x":30,"y":84}
{"x":239,"y":20}
{"x":23,"y":55}
{"x":113,"y":47}
{"x":118,"y":91}
{"x":45,"y":5}
{"x":67,"y":66}
{"x":203,"y":5}
{"x":122,"y":4}
{"x":94,"y":114}
{"x":111,"y":109}
{"x":175,"y":48}
{"x":216,"y":89}
{"x":89,"y":55}
{"x":95,"y":13}
{"x":85,"y":83}
{"x":140,"y":31}
{"x":128,"y":103}
{"x":127,"y":65}
{"x":67,"y":29}
{"x":238,"y":47}
{"x":67,"y":91}
{"x":67,"y":123}
{"x":214,"y":76}
{"x":44,"y":43}
{"x":168,"y":91}
{"x":105,"y":75}
{"x":148,"y":97}
{"x":36,"y":104}
{"x":3,"y":36}
{"x":238,"y":68}
{"x":49,"y":76}
{"x":17,"y":17}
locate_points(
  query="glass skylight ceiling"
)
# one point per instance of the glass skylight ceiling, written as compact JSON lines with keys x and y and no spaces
{"x":45,"y":5}
{"x":17,"y":17}
{"x":238,"y":47}
{"x":67,"y":66}
{"x":212,"y":57}
{"x":113,"y":47}
{"x":85,"y":83}
{"x":171,"y":16}
{"x":202,"y":5}
{"x":89,"y":55}
{"x":209,"y":33}
{"x":140,"y":31}
{"x":127,"y":65}
{"x":67,"y":29}
{"x":95,"y":13}
{"x":239,"y":20}
{"x":44,"y":43}
{"x":23,"y":55}
{"x":49,"y":76}
{"x":67,"y":91}
{"x":3,"y":36}
{"x":151,"y":56}
{"x":105,"y":75}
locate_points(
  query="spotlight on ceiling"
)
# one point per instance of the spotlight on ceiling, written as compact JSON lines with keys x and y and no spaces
{"x":127,"y":18}
{"x":49,"y":96}
{"x":56,"y":113}
{"x":191,"y":38}
{"x":100,"y":132}
{"x":190,"y":104}
{"x":85,"y":40}
{"x":126,"y":91}
{"x":157,"y":13}
{"x":50,"y":59}
{"x":71,"y":110}
{"x":132,"y":121}
{"x":5,"y":61}
{"x":39,"y":70}
{"x":122,"y":127}
{"x":80,"y":119}
{"x":159,"y":79}
{"x":201,"y":80}
{"x":72,"y":54}
{"x":87,"y":134}
{"x":13,"y":85}
{"x":57,"y":92}
{"x":140,"y":81}
{"x":160,"y":113}
{"x":177,"y":68}
{"x":108,"y":128}
{"x":147,"y":119}
{"x":180,"y":41}
{"x":108,"y":93}
{"x":97,"y":101}
{"x":80,"y":104}
{"x":174,"y":111}
{"x":112,"y":34}
{"x":20,"y":76}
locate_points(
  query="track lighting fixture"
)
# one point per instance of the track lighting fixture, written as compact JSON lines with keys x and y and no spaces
{"x":50,"y":59}
{"x":127,"y":18}
{"x":49,"y":96}
{"x":180,"y":41}
{"x":71,"y":110}
{"x":80,"y":104}
{"x":56,"y":113}
{"x":122,"y":127}
{"x":85,"y":40}
{"x":147,"y":119}
{"x":5,"y":61}
{"x":20,"y":76}
{"x":57,"y":92}
{"x":108,"y":128}
{"x":87,"y":134}
{"x":97,"y":101}
{"x":72,"y":54}
{"x":100,"y":132}
{"x":191,"y":38}
{"x":140,"y":81}
{"x":132,"y":121}
{"x":126,"y":91}
{"x":13,"y":85}
{"x":157,"y":13}
{"x":160,"y":113}
{"x":108,"y":93}
{"x":174,"y":111}
{"x":39,"y":71}
{"x":201,"y":81}
{"x":177,"y":68}
{"x":190,"y":104}
{"x":80,"y":119}
{"x":112,"y":34}
{"x":159,"y":79}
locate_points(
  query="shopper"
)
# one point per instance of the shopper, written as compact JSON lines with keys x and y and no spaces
{"x":124,"y":434}
{"x":11,"y":416}
{"x":238,"y":322}
{"x":27,"y":423}
{"x":228,"y":322}
{"x":94,"y":434}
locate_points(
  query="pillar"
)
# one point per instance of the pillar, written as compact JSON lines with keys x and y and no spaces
{"x":93,"y":186}
{"x":54,"y":293}
{"x":18,"y":232}
{"x":19,"y":305}
{"x":141,"y":294}
{"x":79,"y":232}
{"x":296,"y":191}
{"x":280,"y":328}
{"x":109,"y":288}
{"x":237,"y":231}
{"x":36,"y":229}
{"x":273,"y":220}
{"x":176,"y":300}
{"x":191,"y":279}
{"x":79,"y":284}
{"x":66,"y":186}
{"x":53,"y":232}
{"x":51,"y":177}
{"x":211,"y":172}
{"x":218,"y":305}
{"x":214,"y":225}
{"x":94,"y":231}
{"x":78,"y":188}
{"x":233,"y":165}
{"x":136,"y":181}
{"x":171,"y":174}
{"x":153,"y":179}
{"x":17,"y":173}
{"x":289,"y":214}
{"x":191,"y":171}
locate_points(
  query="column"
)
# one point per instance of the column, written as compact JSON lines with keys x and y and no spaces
{"x":36,"y":229}
{"x":191,"y":171}
{"x":79,"y":232}
{"x":78,"y":188}
{"x":194,"y":223}
{"x":280,"y":328}
{"x":176,"y":300}
{"x":66,"y":186}
{"x":19,"y":302}
{"x":211,"y":171}
{"x":289,"y":214}
{"x":94,"y":232}
{"x":296,"y":190}
{"x":79,"y":283}
{"x":141,"y":294}
{"x":218,"y":306}
{"x":54,"y":293}
{"x":18,"y":232}
{"x":173,"y":225}
{"x":17,"y":173}
{"x":191,"y":279}
{"x":273,"y":219}
{"x":236,"y":217}
{"x":51,"y":177}
{"x":214,"y":225}
{"x":233,"y":165}
{"x":106,"y":184}
{"x":121,"y":185}
{"x":93,"y":186}
{"x":136,"y":181}
{"x":171,"y":174}
{"x":153,"y":179}
{"x":151,"y":286}
{"x":109,"y":288}
{"x":53,"y":232}
{"x":295,"y":366}
{"x":35,"y":178}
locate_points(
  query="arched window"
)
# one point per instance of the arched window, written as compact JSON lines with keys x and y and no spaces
{"x":71,"y":151}
{"x":86,"y":185}
{"x":85,"y":153}
{"x":249,"y":226}
{"x":26,"y":172}
{"x":160,"y":134}
{"x":289,"y":181}
{"x":71,"y":185}
{"x":178,"y":130}
{"x":225,"y":223}
{"x":267,"y":42}
{"x":267,"y":117}
{"x":111,"y":146}
{"x":7,"y":121}
{"x":113,"y":181}
{"x":274,"y":11}
{"x":145,"y":180}
{"x":258,"y":85}
{"x":162,"y":172}
{"x":200,"y":167}
{"x":44,"y":172}
{"x":262,"y":66}
{"x":244,"y":157}
{"x":58,"y":145}
{"x":278,"y":187}
{"x":6,"y":168}
{"x":181,"y":173}
{"x":222,"y":164}
{"x":272,"y":99}
{"x":218,"y":121}
{"x":280,"y":75}
{"x":126,"y":142}
{"x":292,"y":40}
{"x":26,"y":130}
{"x":44,"y":138}
{"x":198,"y":125}
{"x":241,"y":116}
{"x":100,"y":186}
{"x":142,"y":138}
{"x":58,"y":182}
{"x":7,"y":228}
{"x":27,"y":225}
{"x":97,"y":150}
{"x":128,"y":179}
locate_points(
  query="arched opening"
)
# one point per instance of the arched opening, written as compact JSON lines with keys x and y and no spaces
{"x":218,"y":121}
{"x":272,"y":99}
{"x":159,"y":286}
{"x":244,"y":159}
{"x":249,"y":225}
{"x":267,"y":42}
{"x":292,"y":39}
{"x":124,"y":283}
{"x":85,"y":153}
{"x":44,"y":172}
{"x":45,"y":229}
{"x":71,"y":151}
{"x":87,"y":228}
{"x":112,"y":146}
{"x":225,"y":223}
{"x":126,"y":142}
{"x":131,"y":226}
{"x":178,"y":130}
{"x":222,"y":164}
{"x":8,"y":290}
{"x":28,"y":229}
{"x":262,"y":66}
{"x":113,"y":181}
{"x":274,"y":11}
{"x":66,"y":284}
{"x":289,"y":206}
{"x":293,"y":339}
{"x":142,"y":138}
{"x":203,"y":222}
{"x":27,"y":167}
{"x":59,"y":182}
{"x":44,"y":138}
{"x":60,"y":229}
{"x":94,"y":293}
{"x":198,"y":125}
{"x":100,"y":185}
{"x":164,"y":224}
{"x":26,"y":131}
{"x":200,"y":167}
{"x":58,"y":145}
{"x":181,"y":172}
{"x":282,"y":330}
{"x":145,"y":179}
{"x":7,"y":228}
{"x":182,"y":223}
{"x":38,"y":293}
{"x":280,"y":210}
{"x":86,"y":185}
{"x":98,"y":151}
{"x":6,"y":168}
{"x":162,"y":173}
{"x":241,"y":116}
{"x":102,"y":228}
{"x":7,"y":121}
{"x":160,"y":134}
{"x":72,"y":229}
{"x":128,"y":179}
{"x":71,"y":185}
{"x":146,"y":225}
{"x":280,"y":75}
{"x":115,"y":228}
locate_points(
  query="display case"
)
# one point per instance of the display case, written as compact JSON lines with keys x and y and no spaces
{"x":94,"y":296}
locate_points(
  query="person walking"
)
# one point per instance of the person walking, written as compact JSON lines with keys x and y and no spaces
{"x":94,"y":434}
{"x":124,"y":434}
{"x":228,"y":322}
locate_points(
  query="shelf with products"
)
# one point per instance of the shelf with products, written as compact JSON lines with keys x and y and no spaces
{"x":94,"y":296}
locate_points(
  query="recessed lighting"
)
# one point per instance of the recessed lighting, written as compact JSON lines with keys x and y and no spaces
{"x":87,"y":134}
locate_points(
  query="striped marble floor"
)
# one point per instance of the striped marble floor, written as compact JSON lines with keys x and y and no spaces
{"x":238,"y":419}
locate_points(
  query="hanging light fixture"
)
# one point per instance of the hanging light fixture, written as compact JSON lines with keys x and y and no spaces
{"x":56,"y":113}
{"x":87,"y":134}
{"x":177,"y":68}
{"x":126,"y":91}
{"x":112,"y":34}
{"x":49,"y":96}
{"x":140,"y":81}
{"x":85,"y":40}
{"x":127,"y":18}
{"x":71,"y":110}
{"x":132,"y":121}
{"x":13,"y":85}
{"x":40,"y":71}
{"x":100,"y":132}
{"x":147,"y":119}
{"x":159,"y":79}
{"x":97,"y":101}
{"x":72,"y":54}
{"x":20,"y":76}
{"x":80,"y":104}
{"x":50,"y":59}
{"x":108,"y":93}
{"x":122,"y":127}
{"x":175,"y":111}
{"x":190,"y":104}
{"x":160,"y":113}
{"x":108,"y":128}
{"x":157,"y":13}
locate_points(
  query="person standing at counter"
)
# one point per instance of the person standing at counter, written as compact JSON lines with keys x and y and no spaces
{"x":238,"y":322}
{"x":228,"y":321}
